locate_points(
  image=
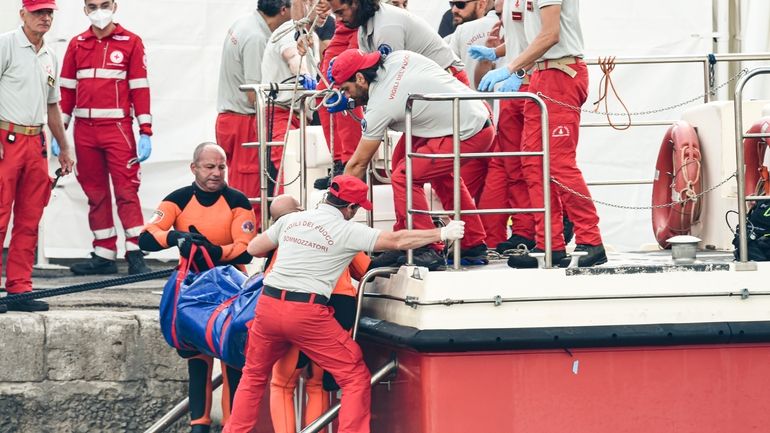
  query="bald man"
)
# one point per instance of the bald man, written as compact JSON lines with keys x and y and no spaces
{"x":283,"y":204}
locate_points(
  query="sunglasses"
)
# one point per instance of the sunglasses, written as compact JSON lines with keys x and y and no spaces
{"x":460,"y":4}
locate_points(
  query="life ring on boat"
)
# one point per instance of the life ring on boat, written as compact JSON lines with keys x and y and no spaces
{"x":753,"y":157}
{"x":677,"y":178}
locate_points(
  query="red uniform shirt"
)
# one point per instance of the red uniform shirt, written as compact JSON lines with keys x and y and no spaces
{"x":106,"y":78}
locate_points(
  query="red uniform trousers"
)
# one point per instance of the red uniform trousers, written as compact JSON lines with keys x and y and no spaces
{"x":103,"y":149}
{"x":234,"y":129}
{"x":439,"y":173}
{"x":564,"y":127}
{"x":25,"y":187}
{"x":311,"y":327}
{"x":505,"y":185}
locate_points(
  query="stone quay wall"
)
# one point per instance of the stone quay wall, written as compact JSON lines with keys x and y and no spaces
{"x":87,"y":371}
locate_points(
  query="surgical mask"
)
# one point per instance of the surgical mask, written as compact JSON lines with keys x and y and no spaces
{"x":101,"y":18}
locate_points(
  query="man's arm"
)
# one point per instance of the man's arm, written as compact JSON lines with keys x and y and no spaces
{"x":366,"y":149}
{"x":261,"y":245}
{"x":406,"y":239}
{"x":292,"y":58}
{"x":548,"y":37}
{"x":57,"y":129}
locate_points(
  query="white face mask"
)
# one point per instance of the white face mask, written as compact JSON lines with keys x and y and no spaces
{"x":101,"y":18}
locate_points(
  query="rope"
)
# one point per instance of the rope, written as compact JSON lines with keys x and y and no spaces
{"x":84,"y":287}
{"x":690,"y":197}
{"x":607,"y":65}
{"x":648,"y":112}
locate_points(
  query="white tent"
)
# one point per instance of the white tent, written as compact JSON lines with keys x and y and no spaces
{"x":183,"y":40}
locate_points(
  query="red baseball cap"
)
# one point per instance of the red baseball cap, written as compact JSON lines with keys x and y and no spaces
{"x":351,"y":61}
{"x":36,"y":5}
{"x":351,"y":189}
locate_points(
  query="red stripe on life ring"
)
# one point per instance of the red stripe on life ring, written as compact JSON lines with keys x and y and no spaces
{"x":754,"y":154}
{"x":677,"y":177}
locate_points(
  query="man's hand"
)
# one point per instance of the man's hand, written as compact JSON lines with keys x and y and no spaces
{"x":494,"y":39}
{"x":482,"y":53}
{"x":512,"y":84}
{"x":65,"y":162}
{"x":308,"y":82}
{"x":493,"y":77}
{"x":453,"y":231}
{"x":144,"y":148}
{"x":184,"y":241}
{"x":322,"y":9}
{"x":337,"y":104}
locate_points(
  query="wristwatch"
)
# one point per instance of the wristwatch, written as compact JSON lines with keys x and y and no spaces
{"x":521,"y":73}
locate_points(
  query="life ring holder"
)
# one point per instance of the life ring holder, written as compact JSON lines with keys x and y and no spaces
{"x":753,"y":156}
{"x":677,"y":179}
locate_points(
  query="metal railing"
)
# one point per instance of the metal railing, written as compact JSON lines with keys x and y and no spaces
{"x":743,"y":263}
{"x":178,"y":411}
{"x":455,"y":98}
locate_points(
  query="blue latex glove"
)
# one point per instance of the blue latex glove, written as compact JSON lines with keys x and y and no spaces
{"x":308,"y":82}
{"x":55,"y":149}
{"x":144,"y":149}
{"x":479,"y":52}
{"x":329,"y":72}
{"x":511,"y":84}
{"x":493,"y":77}
{"x":336,"y":105}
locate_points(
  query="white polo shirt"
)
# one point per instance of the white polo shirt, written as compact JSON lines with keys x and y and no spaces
{"x":513,"y":28}
{"x":405,"y":73}
{"x":396,"y":29}
{"x":471,"y":33}
{"x":241,"y":62}
{"x":314,"y":247}
{"x":28,"y":80}
{"x":570,"y":36}
{"x":274,"y":67}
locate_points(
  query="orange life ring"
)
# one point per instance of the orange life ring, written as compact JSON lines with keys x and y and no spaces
{"x":677,"y":177}
{"x":754,"y":155}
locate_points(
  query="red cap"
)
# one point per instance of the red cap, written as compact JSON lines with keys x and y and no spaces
{"x":351,"y":189}
{"x":36,"y":5}
{"x":351,"y":61}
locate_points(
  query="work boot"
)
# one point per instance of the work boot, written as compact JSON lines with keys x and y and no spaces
{"x":387,"y":259}
{"x":525,"y":261}
{"x":95,"y":266}
{"x":515,"y":242}
{"x":136,"y":263}
{"x":596,"y":256}
{"x":426,"y":257}
{"x":30,"y":305}
{"x":473,"y":256}
{"x":337,"y":169}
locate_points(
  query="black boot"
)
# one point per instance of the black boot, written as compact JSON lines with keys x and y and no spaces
{"x":95,"y":266}
{"x":387,"y":259}
{"x":337,"y":169}
{"x":136,"y":263}
{"x":472,"y":256}
{"x":426,"y":257}
{"x":515,"y":242}
{"x":569,"y":229}
{"x":596,"y":256}
{"x":30,"y":305}
{"x":3,"y":308}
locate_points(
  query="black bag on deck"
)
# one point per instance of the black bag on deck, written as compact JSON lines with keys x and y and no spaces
{"x":758,"y":228}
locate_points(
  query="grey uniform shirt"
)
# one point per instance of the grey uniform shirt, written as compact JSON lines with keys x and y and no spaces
{"x":395,"y":29}
{"x":570,"y":35}
{"x":314,"y":247}
{"x":241,"y":62}
{"x":405,"y":73}
{"x":28,"y":80}
{"x":471,"y":33}
{"x":274,"y":67}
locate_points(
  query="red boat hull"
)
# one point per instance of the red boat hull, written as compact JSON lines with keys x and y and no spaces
{"x":716,"y":388}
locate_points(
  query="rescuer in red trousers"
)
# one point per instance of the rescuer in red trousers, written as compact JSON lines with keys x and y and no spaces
{"x":104,"y":85}
{"x":29,"y":96}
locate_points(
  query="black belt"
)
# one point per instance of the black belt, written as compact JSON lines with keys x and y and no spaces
{"x":287,"y":295}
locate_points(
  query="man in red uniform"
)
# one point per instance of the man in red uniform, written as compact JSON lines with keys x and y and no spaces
{"x":104,"y":82}
{"x":555,"y":49}
{"x":29,"y":96}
